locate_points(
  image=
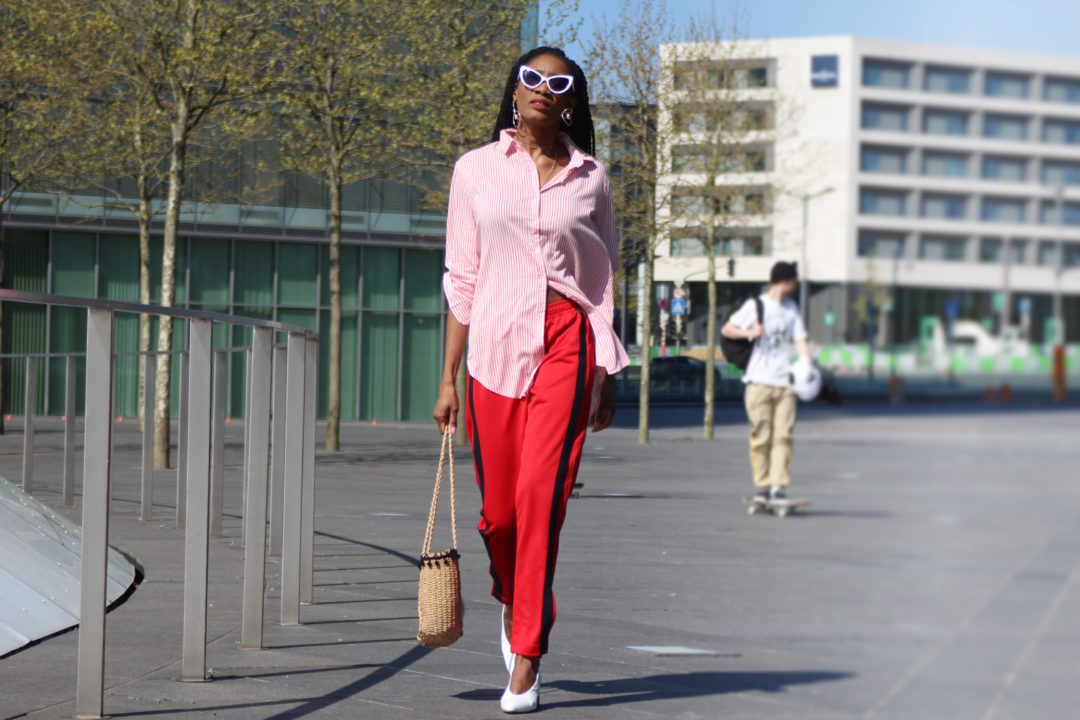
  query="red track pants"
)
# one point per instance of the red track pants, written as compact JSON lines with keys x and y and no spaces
{"x":527,"y":452}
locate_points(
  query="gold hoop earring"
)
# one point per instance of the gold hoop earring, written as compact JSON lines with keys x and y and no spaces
{"x":567,"y":117}
{"x":516,"y":115}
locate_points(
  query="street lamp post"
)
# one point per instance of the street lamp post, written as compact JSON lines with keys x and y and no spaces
{"x":804,"y":272}
{"x":1059,"y":262}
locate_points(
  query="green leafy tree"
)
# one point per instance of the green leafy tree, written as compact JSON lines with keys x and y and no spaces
{"x":33,"y":115}
{"x":189,"y":60}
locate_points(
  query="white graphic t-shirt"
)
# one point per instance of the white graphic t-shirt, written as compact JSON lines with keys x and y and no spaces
{"x":770,"y":361}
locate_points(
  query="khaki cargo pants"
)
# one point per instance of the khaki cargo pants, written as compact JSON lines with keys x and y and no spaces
{"x":771,"y":410}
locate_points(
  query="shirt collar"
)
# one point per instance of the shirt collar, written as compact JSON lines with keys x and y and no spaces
{"x":578,"y":157}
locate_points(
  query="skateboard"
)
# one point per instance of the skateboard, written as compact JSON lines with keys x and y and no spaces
{"x":781,"y":508}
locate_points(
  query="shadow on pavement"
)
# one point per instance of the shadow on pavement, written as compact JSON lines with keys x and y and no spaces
{"x":678,"y":685}
{"x":307,"y":706}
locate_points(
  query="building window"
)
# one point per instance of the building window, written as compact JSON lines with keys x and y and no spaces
{"x":1048,"y":213}
{"x":990,"y":251}
{"x":942,"y":248}
{"x":1005,"y":127}
{"x":885,"y":117}
{"x":873,"y":201}
{"x":687,"y":242}
{"x":1065,"y":90}
{"x":1004,"y":210}
{"x":1061,"y":131}
{"x":1008,"y":85}
{"x":757,"y":77}
{"x":950,"y":207}
{"x":999,"y":167}
{"x":880,"y":73}
{"x":1056,"y":172}
{"x":687,"y":159}
{"x":947,"y":80}
{"x":1048,"y":254}
{"x":879,"y":159}
{"x":1072,"y":256}
{"x":945,"y":122}
{"x":873,"y":243}
{"x":687,"y":203}
{"x":942,"y":164}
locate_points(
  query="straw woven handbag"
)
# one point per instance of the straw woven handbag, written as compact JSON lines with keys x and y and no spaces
{"x":439,"y":597}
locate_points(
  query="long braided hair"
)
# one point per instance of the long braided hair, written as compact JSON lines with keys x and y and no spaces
{"x":581,"y":132}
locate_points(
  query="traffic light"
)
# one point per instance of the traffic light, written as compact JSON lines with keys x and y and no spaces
{"x":731,"y":267}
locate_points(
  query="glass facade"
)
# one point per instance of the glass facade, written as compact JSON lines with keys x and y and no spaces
{"x":879,"y":159}
{"x":885,"y":74}
{"x":1061,"y":172}
{"x":1008,"y":85}
{"x":884,"y":117}
{"x":947,"y":80}
{"x":881,"y":244}
{"x":1062,"y":131}
{"x":1004,"y":210}
{"x":392,"y":325}
{"x":942,"y":206}
{"x":1005,"y":127}
{"x":1061,"y":90}
{"x":942,"y":248}
{"x":882,"y":202}
{"x":998,"y":167}
{"x":945,"y":122}
{"x":944,"y":164}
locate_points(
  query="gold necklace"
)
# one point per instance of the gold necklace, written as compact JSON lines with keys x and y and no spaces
{"x":544,"y":152}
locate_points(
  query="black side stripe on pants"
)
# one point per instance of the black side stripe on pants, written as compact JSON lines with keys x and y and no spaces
{"x":497,"y":589}
{"x":548,"y":615}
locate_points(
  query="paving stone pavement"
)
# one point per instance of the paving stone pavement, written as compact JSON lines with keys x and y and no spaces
{"x":935,"y":576}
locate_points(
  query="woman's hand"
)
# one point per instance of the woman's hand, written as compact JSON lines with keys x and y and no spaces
{"x":446,"y":406}
{"x":605,"y":413}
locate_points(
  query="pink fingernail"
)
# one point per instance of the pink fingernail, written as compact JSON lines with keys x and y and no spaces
{"x":453,"y":429}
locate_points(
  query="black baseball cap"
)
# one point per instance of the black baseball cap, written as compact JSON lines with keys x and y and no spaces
{"x":782,"y":271}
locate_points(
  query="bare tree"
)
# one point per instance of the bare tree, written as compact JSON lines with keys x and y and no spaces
{"x":723,"y":114}
{"x":624,"y":59}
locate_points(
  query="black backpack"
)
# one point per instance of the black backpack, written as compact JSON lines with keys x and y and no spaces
{"x":737,"y":352}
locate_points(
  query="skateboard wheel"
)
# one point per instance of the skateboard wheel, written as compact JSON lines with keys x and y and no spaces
{"x":782,"y":512}
{"x":752,"y":510}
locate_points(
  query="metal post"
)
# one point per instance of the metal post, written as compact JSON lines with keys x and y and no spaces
{"x":217,"y":445}
{"x":804,"y":269}
{"x":293,"y":486}
{"x":69,"y":433}
{"x":97,"y":440}
{"x":1006,"y":299}
{"x":247,"y":445}
{"x":256,"y":472}
{"x":149,"y":373}
{"x":196,"y":536}
{"x":1059,"y":264}
{"x":277,"y":454}
{"x":307,"y":507}
{"x":182,"y":444}
{"x":30,"y":398}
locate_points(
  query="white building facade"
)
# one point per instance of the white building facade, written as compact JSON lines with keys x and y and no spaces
{"x":947,"y":178}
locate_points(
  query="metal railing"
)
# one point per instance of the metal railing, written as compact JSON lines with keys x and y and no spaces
{"x":279,"y":449}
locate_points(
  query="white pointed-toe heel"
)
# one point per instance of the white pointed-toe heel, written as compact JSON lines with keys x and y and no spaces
{"x":527,"y":701}
{"x":508,"y":656}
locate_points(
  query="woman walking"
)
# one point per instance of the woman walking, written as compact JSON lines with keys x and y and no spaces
{"x":530,"y":258}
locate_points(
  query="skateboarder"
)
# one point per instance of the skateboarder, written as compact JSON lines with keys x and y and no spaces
{"x":770,"y":401}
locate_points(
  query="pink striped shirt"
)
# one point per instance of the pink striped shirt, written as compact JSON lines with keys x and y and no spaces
{"x":508,"y":240}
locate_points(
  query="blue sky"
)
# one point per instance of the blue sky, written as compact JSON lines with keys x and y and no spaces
{"x":1042,"y":26}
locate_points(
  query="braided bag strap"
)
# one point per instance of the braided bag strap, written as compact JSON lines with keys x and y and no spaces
{"x":446,"y":449}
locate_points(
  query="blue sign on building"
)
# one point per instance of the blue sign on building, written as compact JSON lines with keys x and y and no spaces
{"x":824,"y":71}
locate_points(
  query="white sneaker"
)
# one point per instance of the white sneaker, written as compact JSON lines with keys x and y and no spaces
{"x":523,"y":702}
{"x":776,"y":493}
{"x":508,"y":656}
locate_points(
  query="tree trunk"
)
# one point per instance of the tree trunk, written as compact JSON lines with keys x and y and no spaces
{"x":710,"y":329}
{"x":162,"y":380}
{"x":645,"y":313}
{"x":333,"y":406}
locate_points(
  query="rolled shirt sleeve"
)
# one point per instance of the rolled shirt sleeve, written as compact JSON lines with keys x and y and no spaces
{"x":462,"y":249}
